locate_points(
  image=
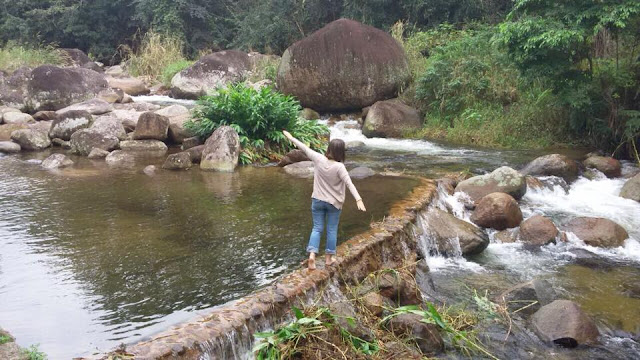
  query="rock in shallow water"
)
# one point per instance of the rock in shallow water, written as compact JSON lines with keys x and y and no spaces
{"x":553,"y":165}
{"x":98,"y":154}
{"x":29,"y":139}
{"x":631,"y":188}
{"x":56,"y":161}
{"x":564,"y":323}
{"x":153,"y":146}
{"x":292,"y":157}
{"x":453,"y":235}
{"x":68,"y":122}
{"x":598,"y":232}
{"x":178,"y":161}
{"x":538,"y":230}
{"x":606,"y":165}
{"x":221,"y":150}
{"x":503,"y":179}
{"x":119,"y":158}
{"x":85,"y":140}
{"x":391,"y":118}
{"x":9,"y":147}
{"x":361,"y":172}
{"x":497,"y":211}
{"x":151,"y":126}
{"x":300,"y":169}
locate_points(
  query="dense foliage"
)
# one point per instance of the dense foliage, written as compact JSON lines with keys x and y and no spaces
{"x":100,"y":27}
{"x":259,"y":116}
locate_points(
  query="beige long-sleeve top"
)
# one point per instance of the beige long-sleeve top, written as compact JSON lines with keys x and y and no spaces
{"x":329,"y":178}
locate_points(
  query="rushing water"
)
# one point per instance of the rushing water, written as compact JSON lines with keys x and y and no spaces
{"x":93,"y":257}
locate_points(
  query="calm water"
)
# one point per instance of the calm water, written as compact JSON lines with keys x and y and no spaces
{"x":92,"y":257}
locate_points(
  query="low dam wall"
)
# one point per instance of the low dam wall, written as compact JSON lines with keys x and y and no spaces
{"x":226,"y":332}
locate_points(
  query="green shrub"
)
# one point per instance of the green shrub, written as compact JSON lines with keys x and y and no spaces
{"x":156,"y":52}
{"x":259,"y":116}
{"x":265,"y":68}
{"x":172,"y":69}
{"x":472,"y":93}
{"x":14,"y":56}
{"x":34,"y":353}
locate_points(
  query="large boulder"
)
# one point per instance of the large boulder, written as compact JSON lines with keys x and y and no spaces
{"x":606,"y":165}
{"x":343,"y":66}
{"x":108,"y":125}
{"x":497,"y":211}
{"x":9,"y":147}
{"x":154,"y":146}
{"x":453,"y":235}
{"x":391,"y":118}
{"x":631,"y":188}
{"x":30,"y":139}
{"x":564,"y":323}
{"x":503,"y":179}
{"x":178,"y":115}
{"x":75,"y":57}
{"x":598,"y":232}
{"x":178,"y":161}
{"x":94,"y":106}
{"x":553,"y":165}
{"x":56,"y":161}
{"x":53,"y":88}
{"x":17,"y":118}
{"x":151,"y":126}
{"x":14,"y":88}
{"x":221,"y":150}
{"x":131,"y":86}
{"x":85,"y":140}
{"x":68,"y":123}
{"x":538,"y":230}
{"x":7,"y":129}
{"x":426,"y":336}
{"x":209,"y":73}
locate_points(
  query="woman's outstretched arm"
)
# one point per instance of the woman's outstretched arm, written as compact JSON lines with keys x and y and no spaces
{"x":344,"y":176}
{"x":312,"y":155}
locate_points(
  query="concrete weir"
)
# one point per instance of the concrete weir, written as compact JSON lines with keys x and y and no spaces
{"x":227,"y":331}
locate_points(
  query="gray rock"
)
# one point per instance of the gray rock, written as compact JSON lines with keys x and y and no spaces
{"x":17,"y":118}
{"x":131,"y":86}
{"x":85,"y":140}
{"x":108,"y":125}
{"x":53,"y":88}
{"x":209,"y":73}
{"x":300,"y":169}
{"x":598,"y":232}
{"x":69,"y":122}
{"x":9,"y":147}
{"x":94,"y":106}
{"x":503,"y":179}
{"x":61,"y":143}
{"x":98,"y":154}
{"x":553,"y":165}
{"x":56,"y":161}
{"x":631,"y":188}
{"x":354,"y":144}
{"x":188,"y":143}
{"x":195,"y":153}
{"x":45,"y":116}
{"x":454,"y":236}
{"x":293,"y":157}
{"x":111,"y":95}
{"x":361,"y":172}
{"x":178,"y":161}
{"x":151,"y":126}
{"x":29,"y":139}
{"x":391,"y":118}
{"x":221,"y":150}
{"x":154,"y":146}
{"x":119,"y":158}
{"x":115,"y":71}
{"x":178,"y":115}
{"x":564,"y":323}
{"x":538,"y":230}
{"x":149,"y":170}
{"x":7,"y":129}
{"x":498,"y":211}
{"x":606,"y":165}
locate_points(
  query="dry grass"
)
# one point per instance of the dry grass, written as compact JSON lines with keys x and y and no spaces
{"x":14,"y":56}
{"x":156,"y":53}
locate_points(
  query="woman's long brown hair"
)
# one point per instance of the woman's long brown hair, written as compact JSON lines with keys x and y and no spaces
{"x":335,"y":151}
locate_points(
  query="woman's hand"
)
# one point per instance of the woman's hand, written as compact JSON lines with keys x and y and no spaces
{"x":287,"y":135}
{"x":361,"y":205}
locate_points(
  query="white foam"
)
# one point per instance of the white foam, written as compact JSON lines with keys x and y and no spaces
{"x":163,"y":99}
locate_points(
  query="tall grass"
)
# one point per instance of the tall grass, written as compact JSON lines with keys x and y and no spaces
{"x":14,"y":56}
{"x":157,"y":53}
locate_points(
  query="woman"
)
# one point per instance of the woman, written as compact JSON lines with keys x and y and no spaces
{"x":330,"y":178}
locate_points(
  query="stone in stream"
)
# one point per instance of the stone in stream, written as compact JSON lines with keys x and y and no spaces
{"x":564,"y":323}
{"x":209,"y":73}
{"x":221,"y":150}
{"x":302,"y":169}
{"x":108,"y":125}
{"x":68,"y":122}
{"x":17,"y":118}
{"x":178,"y":115}
{"x":503,"y":179}
{"x":606,"y":165}
{"x":7,"y":129}
{"x":354,"y":144}
{"x":111,"y":95}
{"x":119,"y":158}
{"x":45,"y":116}
{"x":29,"y":139}
{"x":372,"y":67}
{"x":497,"y":211}
{"x":528,"y":297}
{"x":454,"y":236}
{"x":151,"y":126}
{"x":9,"y":147}
{"x":154,"y":146}
{"x":391,"y":118}
{"x":149,"y":170}
{"x":61,"y":143}
{"x":598,"y":232}
{"x":631,"y":188}
{"x":292,"y":157}
{"x":130,"y":86}
{"x":553,"y":165}
{"x":56,"y":161}
{"x":98,"y":154}
{"x":178,"y":161}
{"x":85,"y":140}
{"x":507,"y":236}
{"x":195,"y":153}
{"x":538,"y":230}
{"x":94,"y":106}
{"x":309,"y":114}
{"x":426,"y":336}
{"x":361,"y":172}
{"x":188,"y":143}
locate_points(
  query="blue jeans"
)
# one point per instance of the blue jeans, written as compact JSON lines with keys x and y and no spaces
{"x":319,"y":211}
